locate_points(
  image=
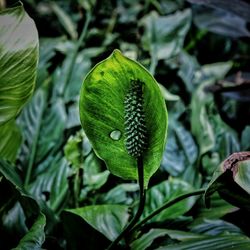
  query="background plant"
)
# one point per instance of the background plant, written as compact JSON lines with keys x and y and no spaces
{"x":196,"y":52}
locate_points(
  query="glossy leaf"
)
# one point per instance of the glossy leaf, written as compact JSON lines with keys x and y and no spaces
{"x":216,"y":227}
{"x":164,"y":192}
{"x":200,"y":123}
{"x":52,"y":184}
{"x":214,"y":242}
{"x":181,"y":149}
{"x":94,"y":177}
{"x":147,"y":239}
{"x":19,"y":58}
{"x":11,"y":140}
{"x":121,"y":194}
{"x":164,"y":35}
{"x":35,"y":237}
{"x":107,"y":219}
{"x":102,"y":113}
{"x":42,"y":128}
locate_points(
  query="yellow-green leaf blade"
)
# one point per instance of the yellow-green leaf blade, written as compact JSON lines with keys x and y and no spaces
{"x":102,"y":115}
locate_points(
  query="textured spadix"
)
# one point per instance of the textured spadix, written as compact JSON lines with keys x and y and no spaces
{"x":124,"y":116}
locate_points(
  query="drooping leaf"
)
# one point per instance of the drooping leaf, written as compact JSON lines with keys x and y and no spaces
{"x":80,"y":235}
{"x":231,"y":180}
{"x":35,"y":237}
{"x":18,"y":210}
{"x":166,"y":191}
{"x":18,"y":61}
{"x":220,"y":22}
{"x":102,"y":115}
{"x":107,"y":219}
{"x":10,"y":141}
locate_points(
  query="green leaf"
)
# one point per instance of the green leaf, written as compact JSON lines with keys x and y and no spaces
{"x":181,"y":150}
{"x":216,"y":227}
{"x":201,"y":125}
{"x":94,"y":177}
{"x":217,"y":210}
{"x":18,"y":64}
{"x":232,"y":184}
{"x":245,"y":139}
{"x":214,"y":242}
{"x":164,"y":35}
{"x":65,"y":20}
{"x":10,"y":141}
{"x":107,"y":219}
{"x":120,"y":194}
{"x":52,"y":184}
{"x":164,"y":192}
{"x":102,"y":115}
{"x":147,"y":239}
{"x":35,"y":236}
{"x":42,"y":128}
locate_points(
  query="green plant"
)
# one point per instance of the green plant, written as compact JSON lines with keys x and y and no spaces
{"x":60,"y":185}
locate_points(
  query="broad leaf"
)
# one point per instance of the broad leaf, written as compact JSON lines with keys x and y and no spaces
{"x":181,"y":149}
{"x":35,"y":236}
{"x":232,"y":182}
{"x":107,"y":219}
{"x":10,"y":141}
{"x":42,"y":128}
{"x":221,"y":22}
{"x":147,"y":239}
{"x":201,"y":101}
{"x":215,"y":242}
{"x":164,"y":35}
{"x":216,"y":227}
{"x":18,"y":61}
{"x":102,"y":115}
{"x":121,"y":194}
{"x":52,"y":184}
{"x":164,"y":192}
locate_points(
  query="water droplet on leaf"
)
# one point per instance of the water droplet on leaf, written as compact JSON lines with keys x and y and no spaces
{"x":116,"y":135}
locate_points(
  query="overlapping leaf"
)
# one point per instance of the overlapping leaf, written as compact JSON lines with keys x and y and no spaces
{"x":18,"y":61}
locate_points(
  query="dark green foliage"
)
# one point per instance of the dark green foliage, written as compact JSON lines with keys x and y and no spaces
{"x":55,"y":191}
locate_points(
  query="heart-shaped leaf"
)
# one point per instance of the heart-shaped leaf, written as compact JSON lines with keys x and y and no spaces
{"x":18,"y":61}
{"x":105,"y":98}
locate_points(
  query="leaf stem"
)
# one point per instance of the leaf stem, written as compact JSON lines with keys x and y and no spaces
{"x":167,"y":205}
{"x":140,"y":207}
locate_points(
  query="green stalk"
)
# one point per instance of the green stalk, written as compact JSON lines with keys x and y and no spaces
{"x":138,"y":214}
{"x":167,"y":205}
